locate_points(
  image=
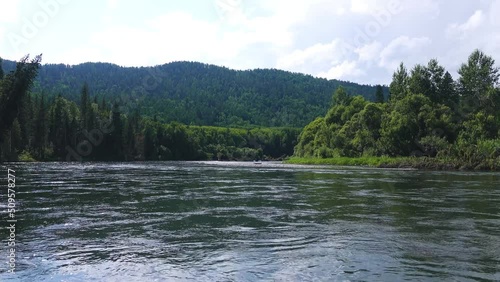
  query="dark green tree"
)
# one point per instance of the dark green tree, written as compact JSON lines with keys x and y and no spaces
{"x":13,"y":88}
{"x":379,"y":94}
{"x":399,"y":85}
{"x":419,"y":81}
{"x":477,"y":77}
{"x":340,"y":97}
{"x":150,"y":149}
{"x":85,"y":106}
{"x":40,"y":132}
{"x":117,"y":139}
{"x":448,"y":92}
{"x":436,"y":74}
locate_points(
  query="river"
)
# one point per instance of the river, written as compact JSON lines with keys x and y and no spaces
{"x":223,"y":221}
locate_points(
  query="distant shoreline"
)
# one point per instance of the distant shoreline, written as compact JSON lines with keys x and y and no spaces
{"x":412,"y":163}
{"x":421,"y":163}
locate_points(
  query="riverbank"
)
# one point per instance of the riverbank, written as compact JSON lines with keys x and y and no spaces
{"x":423,"y":163}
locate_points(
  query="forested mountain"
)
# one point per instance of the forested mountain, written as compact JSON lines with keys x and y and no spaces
{"x":200,"y":94}
{"x":33,"y":128}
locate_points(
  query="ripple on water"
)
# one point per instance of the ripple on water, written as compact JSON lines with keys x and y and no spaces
{"x":222,"y":221}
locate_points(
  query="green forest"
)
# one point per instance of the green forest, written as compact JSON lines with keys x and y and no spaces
{"x":193,"y":111}
{"x":198,"y":94}
{"x":91,"y":130}
{"x":429,"y":118}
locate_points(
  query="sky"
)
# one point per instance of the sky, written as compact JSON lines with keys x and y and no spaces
{"x":361,"y":41}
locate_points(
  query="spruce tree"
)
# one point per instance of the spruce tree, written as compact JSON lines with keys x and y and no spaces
{"x":85,"y":106}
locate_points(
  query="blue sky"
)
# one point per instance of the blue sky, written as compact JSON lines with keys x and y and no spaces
{"x":355,"y":40}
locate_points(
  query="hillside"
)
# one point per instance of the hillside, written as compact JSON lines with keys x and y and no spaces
{"x":202,"y":94}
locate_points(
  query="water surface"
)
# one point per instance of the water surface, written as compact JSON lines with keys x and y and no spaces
{"x":216,"y":221}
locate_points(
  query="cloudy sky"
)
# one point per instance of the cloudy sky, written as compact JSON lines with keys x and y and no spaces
{"x":355,"y":40}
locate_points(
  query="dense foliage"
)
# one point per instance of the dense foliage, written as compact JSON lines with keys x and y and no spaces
{"x":200,"y":94}
{"x":33,"y":128}
{"x":428,"y":114}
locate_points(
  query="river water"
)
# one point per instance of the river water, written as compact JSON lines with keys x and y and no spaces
{"x":221,"y":221}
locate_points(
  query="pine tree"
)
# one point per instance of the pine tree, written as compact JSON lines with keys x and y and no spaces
{"x":16,"y":139}
{"x":85,"y":106}
{"x":448,"y":92}
{"x":14,"y":87}
{"x":150,"y":152}
{"x":40,"y":136}
{"x":113,"y":146}
{"x":399,"y":85}
{"x":25,"y":117}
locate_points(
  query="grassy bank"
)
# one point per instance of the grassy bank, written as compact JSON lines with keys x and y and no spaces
{"x":362,"y":161}
{"x":402,"y":162}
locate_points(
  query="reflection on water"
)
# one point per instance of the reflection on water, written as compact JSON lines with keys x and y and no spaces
{"x":216,"y":221}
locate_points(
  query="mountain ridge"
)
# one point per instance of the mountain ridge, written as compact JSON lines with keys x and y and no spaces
{"x":199,"y":93}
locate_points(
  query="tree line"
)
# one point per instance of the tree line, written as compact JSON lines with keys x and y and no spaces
{"x":427,"y":114}
{"x":200,"y":94}
{"x":36,"y":126}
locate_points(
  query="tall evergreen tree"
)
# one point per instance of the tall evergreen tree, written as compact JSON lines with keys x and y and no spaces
{"x":150,"y":142}
{"x":399,"y":85}
{"x":16,"y":139}
{"x":25,"y":117}
{"x":40,"y":136}
{"x":117,"y":134}
{"x":477,"y":78}
{"x":85,"y":106}
{"x":448,"y":92}
{"x":436,"y":75}
{"x":13,"y":88}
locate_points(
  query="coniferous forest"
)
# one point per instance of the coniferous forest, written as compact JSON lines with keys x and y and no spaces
{"x":193,"y":111}
{"x":37,"y":125}
{"x":196,"y":93}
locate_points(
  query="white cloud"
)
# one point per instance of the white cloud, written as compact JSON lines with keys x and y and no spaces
{"x":369,"y":52}
{"x":2,"y":34}
{"x":9,"y":10}
{"x":314,"y":54}
{"x":429,"y":8}
{"x":462,"y":30}
{"x":112,"y":4}
{"x":175,"y":36}
{"x":363,"y":6}
{"x":323,"y":37}
{"x":180,"y":36}
{"x":74,"y":56}
{"x":403,"y":49}
{"x":341,"y":11}
{"x":495,"y":13}
{"x":347,"y":70}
